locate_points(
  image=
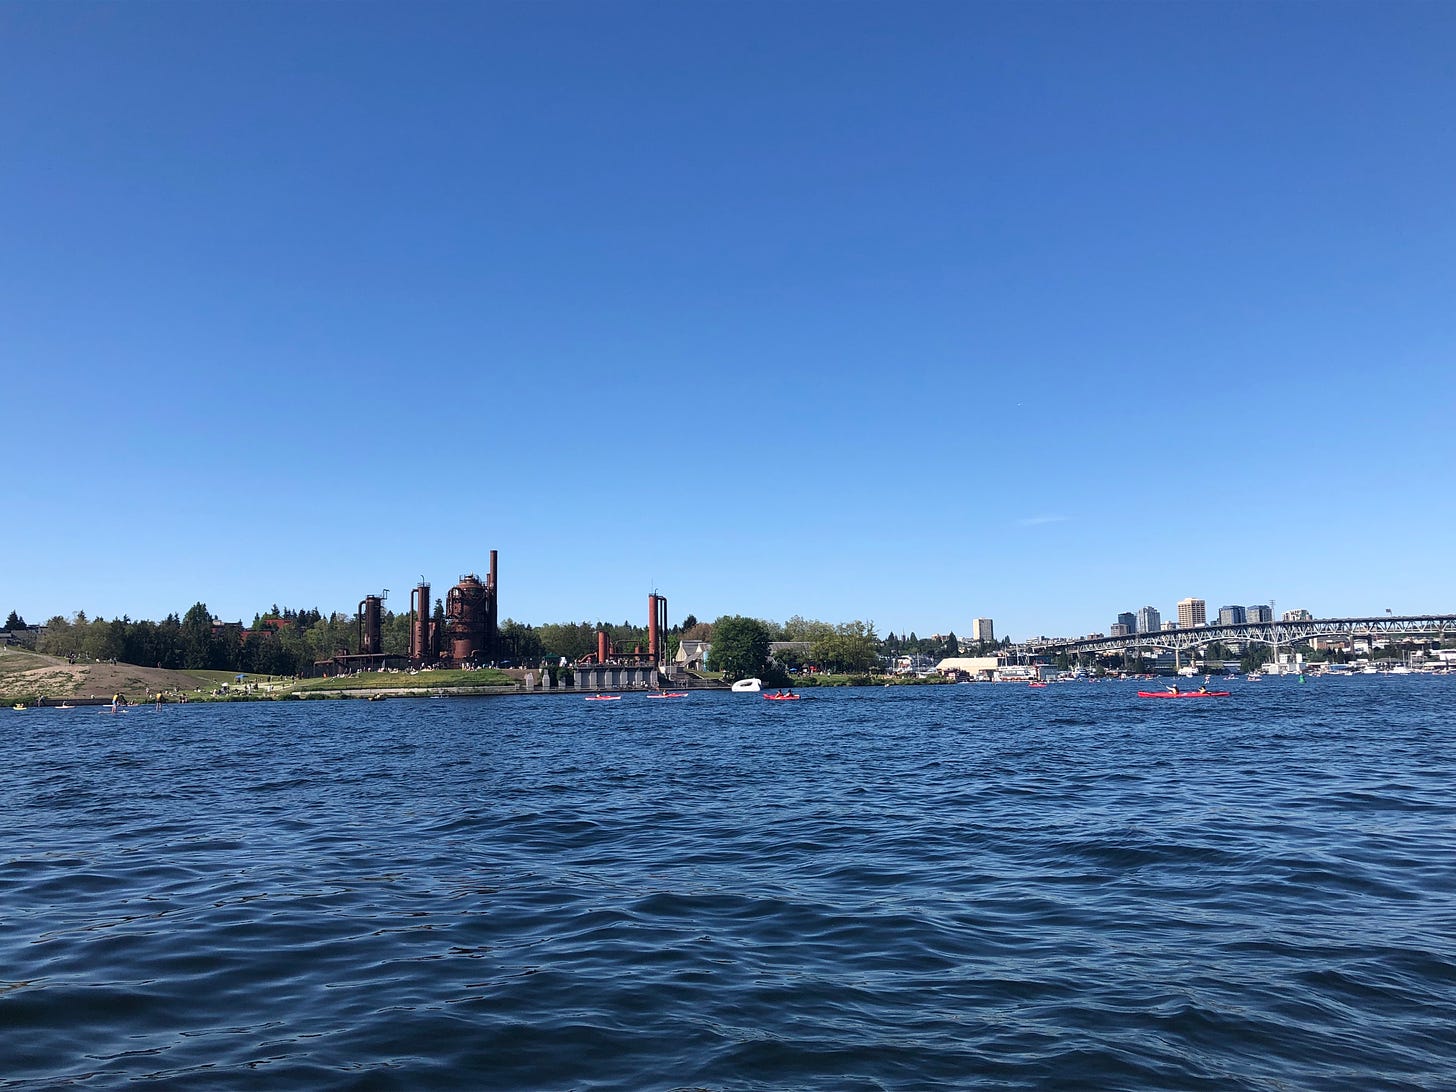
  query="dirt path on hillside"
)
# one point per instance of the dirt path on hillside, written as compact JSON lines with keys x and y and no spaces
{"x":28,"y":675}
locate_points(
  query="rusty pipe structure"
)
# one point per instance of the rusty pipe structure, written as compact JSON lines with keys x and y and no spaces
{"x":367,"y":623}
{"x":420,"y":642}
{"x":656,"y":627}
{"x":467,"y":610}
{"x":492,"y":615}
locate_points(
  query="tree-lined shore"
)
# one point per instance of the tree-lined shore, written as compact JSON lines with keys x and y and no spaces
{"x":284,"y":641}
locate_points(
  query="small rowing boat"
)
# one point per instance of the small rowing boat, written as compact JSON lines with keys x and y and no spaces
{"x":605,"y":697}
{"x":682,"y":695}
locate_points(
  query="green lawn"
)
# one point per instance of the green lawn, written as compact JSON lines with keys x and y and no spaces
{"x":390,"y":680}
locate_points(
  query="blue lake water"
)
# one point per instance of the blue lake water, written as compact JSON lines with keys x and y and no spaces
{"x":917,"y":888}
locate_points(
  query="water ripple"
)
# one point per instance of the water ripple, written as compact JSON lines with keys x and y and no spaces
{"x":936,"y":888}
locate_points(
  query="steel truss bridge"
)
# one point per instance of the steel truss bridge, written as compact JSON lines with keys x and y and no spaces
{"x":1267,"y":633}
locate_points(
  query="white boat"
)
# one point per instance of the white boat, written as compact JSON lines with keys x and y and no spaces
{"x":748,"y":686}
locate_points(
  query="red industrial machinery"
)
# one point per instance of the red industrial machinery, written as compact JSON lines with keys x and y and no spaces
{"x":467,"y":610}
{"x":368,"y":621}
{"x":656,"y":631}
{"x":656,"y":627}
{"x":472,"y":628}
{"x":422,"y":649}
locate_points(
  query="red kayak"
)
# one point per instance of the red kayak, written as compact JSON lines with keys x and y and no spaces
{"x":1183,"y":694}
{"x":605,"y":697}
{"x":781,"y":697}
{"x":682,"y":695}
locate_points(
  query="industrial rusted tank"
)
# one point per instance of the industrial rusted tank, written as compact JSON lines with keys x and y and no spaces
{"x":370,"y":612}
{"x":467,"y":609}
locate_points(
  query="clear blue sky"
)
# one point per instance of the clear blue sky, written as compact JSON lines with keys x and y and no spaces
{"x":908,"y":312}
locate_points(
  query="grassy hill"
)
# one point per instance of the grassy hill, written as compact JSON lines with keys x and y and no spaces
{"x":28,"y":676}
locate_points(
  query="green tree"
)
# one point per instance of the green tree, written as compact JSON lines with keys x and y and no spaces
{"x":570,"y":639}
{"x":791,"y":659}
{"x":197,"y":638}
{"x":521,"y":643}
{"x":60,"y":639}
{"x":849,"y":647}
{"x":169,"y":641}
{"x":740,"y":647}
{"x":1254,"y":657}
{"x":102,"y":640}
{"x":394,"y":633}
{"x":14,"y":622}
{"x":806,"y":629}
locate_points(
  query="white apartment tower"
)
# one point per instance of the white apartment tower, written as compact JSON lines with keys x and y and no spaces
{"x":1192,"y":612}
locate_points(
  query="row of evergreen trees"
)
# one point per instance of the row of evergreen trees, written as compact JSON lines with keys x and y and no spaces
{"x":289,"y":642}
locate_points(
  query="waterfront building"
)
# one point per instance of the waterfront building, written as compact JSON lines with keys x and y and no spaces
{"x":1192,"y":612}
{"x":1259,"y":613}
{"x":1149,"y":620}
{"x":983,"y":629}
{"x":1231,"y":616}
{"x":692,"y":655}
{"x":972,"y":667}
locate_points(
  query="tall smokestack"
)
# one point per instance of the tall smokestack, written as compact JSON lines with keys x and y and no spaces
{"x":652,"y":628}
{"x":492,"y":613}
{"x":420,"y":623}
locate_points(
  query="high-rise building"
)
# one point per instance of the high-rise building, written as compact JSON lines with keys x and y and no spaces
{"x":983,"y":629}
{"x":1259,"y":613}
{"x":1192,"y":612}
{"x":1149,"y":620}
{"x":1128,"y":621}
{"x":1169,"y":626}
{"x":1298,"y":616}
{"x":1231,"y":616}
{"x":1120,"y":629}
